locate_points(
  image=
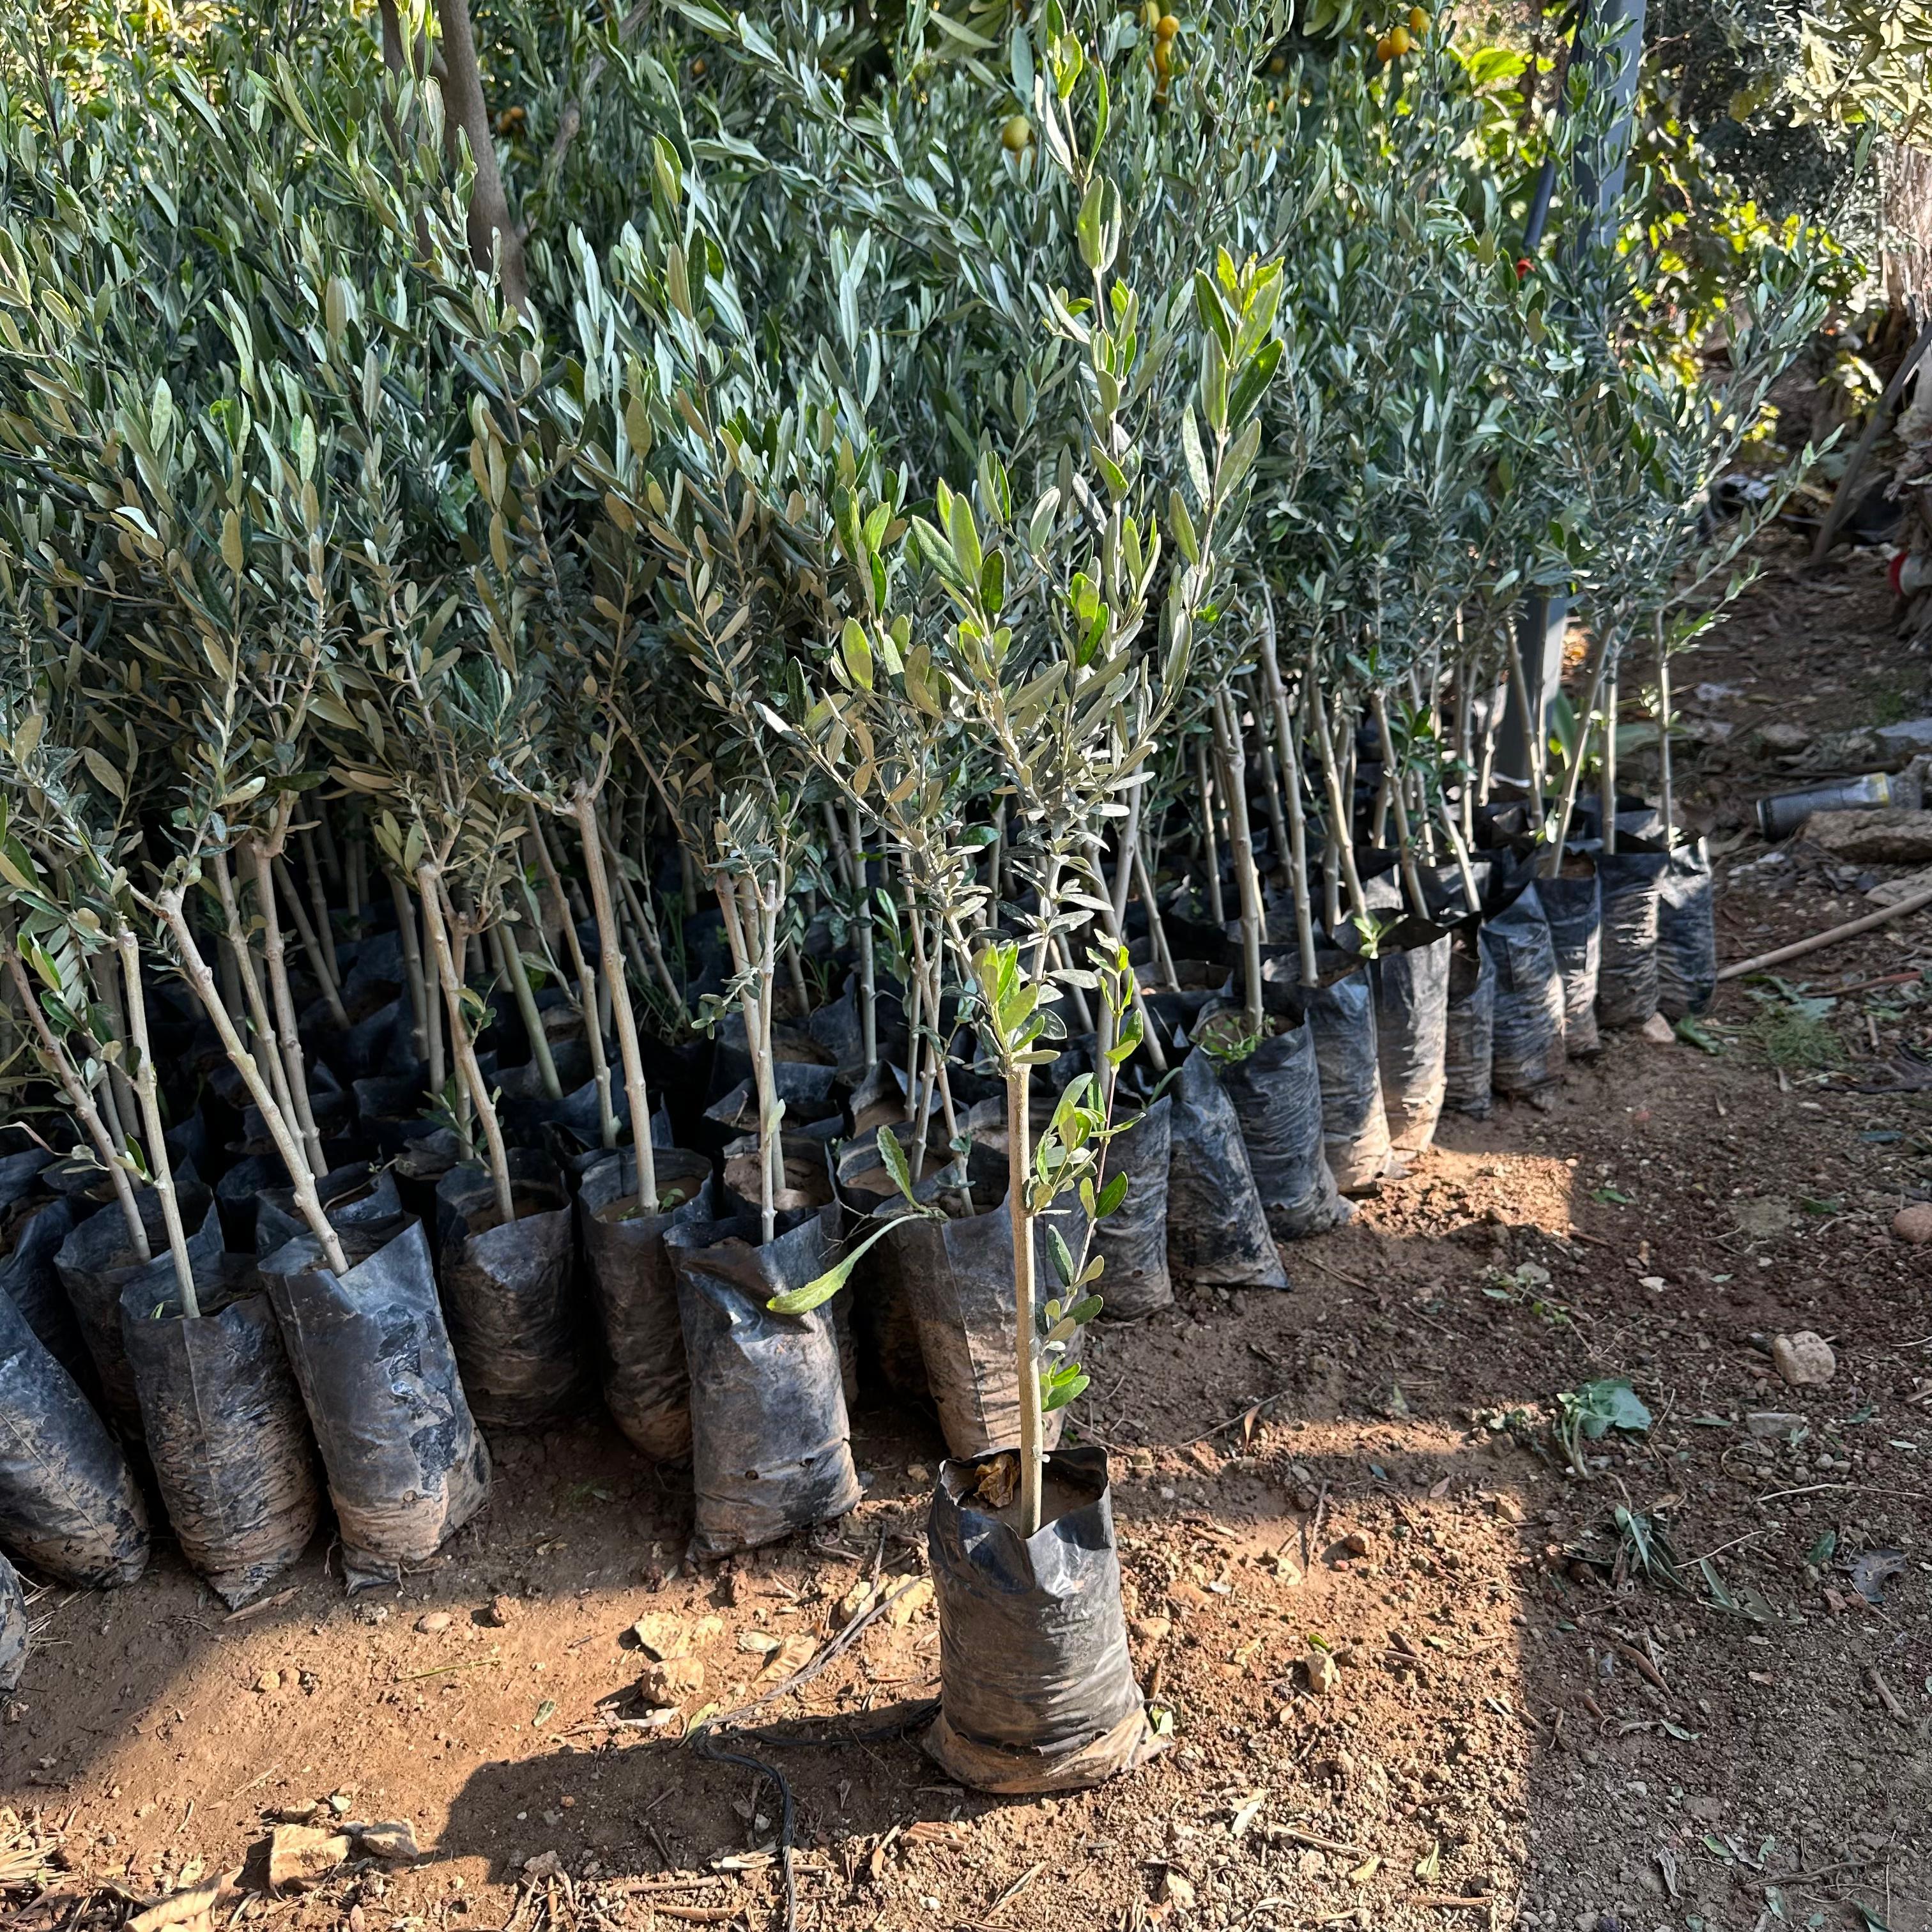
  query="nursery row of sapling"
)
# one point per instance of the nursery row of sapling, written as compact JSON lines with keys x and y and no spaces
{"x":903,"y":750}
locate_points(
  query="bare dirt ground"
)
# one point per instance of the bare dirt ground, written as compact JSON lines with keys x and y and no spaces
{"x":1715,"y":1715}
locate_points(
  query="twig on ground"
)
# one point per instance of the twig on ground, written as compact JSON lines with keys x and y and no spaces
{"x":1852,"y":927}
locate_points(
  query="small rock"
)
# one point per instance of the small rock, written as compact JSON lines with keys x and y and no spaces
{"x":299,"y":1855}
{"x":1175,"y":1890}
{"x":909,"y":1602}
{"x":372,"y":1613}
{"x":1914,"y":1224}
{"x":1658,"y":1030}
{"x":661,"y":1637}
{"x":1184,"y":1595}
{"x":1506,"y":1509}
{"x":760,"y":1643}
{"x":545,"y":1864}
{"x":1804,"y":1359}
{"x":670,"y":1680}
{"x":433,"y":1623}
{"x":1786,"y":738}
{"x":1323,"y":1673}
{"x":1152,"y":1629}
{"x":856,"y":1602}
{"x":917,"y":1472}
{"x":502,"y":1612}
{"x":341,"y":1804}
{"x":1357,"y":1543}
{"x":1886,"y":834}
{"x":392,"y":1838}
{"x":736,"y":1588}
{"x":269,"y":1680}
{"x":1768,"y":1424}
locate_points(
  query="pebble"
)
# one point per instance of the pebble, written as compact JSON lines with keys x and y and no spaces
{"x":1151,"y":1630}
{"x":1658,"y":1030}
{"x":269,"y":1680}
{"x":1770,"y":1423}
{"x":434,"y":1623}
{"x":1914,"y":1224}
{"x":502,"y":1610}
{"x":674,"y":1678}
{"x":1356,"y":1543}
{"x":1323,"y":1674}
{"x":1176,"y":1890}
{"x":1804,"y":1360}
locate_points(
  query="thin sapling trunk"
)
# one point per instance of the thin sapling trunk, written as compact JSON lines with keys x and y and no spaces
{"x":469,"y":1075}
{"x":510,"y":959}
{"x":420,"y":1009}
{"x":106,"y":1149}
{"x":159,"y":1166}
{"x":1247,"y":880}
{"x":584,"y":805}
{"x":1032,"y":1416}
{"x":587,"y":985}
{"x":202,"y":982}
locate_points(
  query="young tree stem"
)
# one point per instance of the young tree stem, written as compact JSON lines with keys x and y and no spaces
{"x":1032,"y":1421}
{"x":429,"y":883}
{"x":629,"y":1052}
{"x":82,"y":1102}
{"x":143,"y":1083}
{"x":307,"y":1203}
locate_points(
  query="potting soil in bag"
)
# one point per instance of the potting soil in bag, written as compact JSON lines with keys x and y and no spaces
{"x":406,"y":1467}
{"x":1037,"y":1691}
{"x":1527,"y":1048}
{"x":770,"y":1446}
{"x":1687,"y":933}
{"x":1217,"y":1231}
{"x":229,"y":1439}
{"x":27,"y":1276}
{"x":647,"y":1384}
{"x":13,"y":1629}
{"x":1276,"y":1090}
{"x":1627,"y":979}
{"x":1133,"y":1240}
{"x":1574,"y":908}
{"x":238,"y":1194}
{"x":517,"y":1318}
{"x":1411,"y":1039}
{"x":958,"y":1278}
{"x":1469,"y":1036}
{"x":68,"y":1504}
{"x":98,"y":1259}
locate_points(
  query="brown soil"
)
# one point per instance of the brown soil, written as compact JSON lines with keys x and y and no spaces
{"x":1527,"y":1729}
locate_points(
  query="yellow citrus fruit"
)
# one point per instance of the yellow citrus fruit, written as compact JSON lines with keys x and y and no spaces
{"x":1385,"y":49}
{"x":1017,"y":135}
{"x":1418,"y":22}
{"x":1167,"y":26}
{"x":1399,"y":40}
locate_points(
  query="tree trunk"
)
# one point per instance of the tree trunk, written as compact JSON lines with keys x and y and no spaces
{"x":490,"y":221}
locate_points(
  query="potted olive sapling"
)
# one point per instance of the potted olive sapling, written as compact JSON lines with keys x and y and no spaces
{"x":686,"y":448}
{"x":191,"y":1332}
{"x":1045,"y":661}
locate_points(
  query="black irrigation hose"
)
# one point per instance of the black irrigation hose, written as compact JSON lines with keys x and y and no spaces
{"x":703,"y":1740}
